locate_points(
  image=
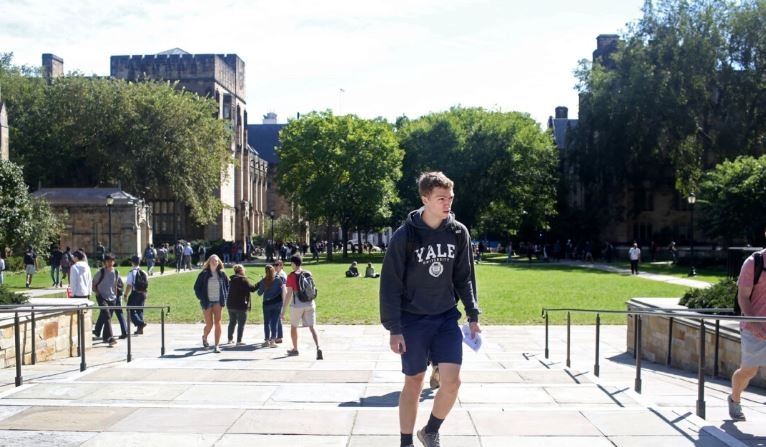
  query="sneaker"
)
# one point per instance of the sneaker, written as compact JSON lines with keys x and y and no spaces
{"x":735,"y":410}
{"x":217,"y":350}
{"x":231,"y":341}
{"x":240,"y":343}
{"x":434,"y":382}
{"x":279,"y":340}
{"x":112,"y":341}
{"x":429,"y":439}
{"x":292,"y":352}
{"x":272,"y":344}
{"x":139,"y":331}
{"x":319,"y":354}
{"x":265,"y":344}
{"x":205,"y":344}
{"x":123,"y":336}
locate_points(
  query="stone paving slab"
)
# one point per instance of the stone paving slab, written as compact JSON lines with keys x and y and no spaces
{"x":511,"y":395}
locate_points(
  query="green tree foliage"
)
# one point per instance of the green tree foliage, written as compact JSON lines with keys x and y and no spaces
{"x":339,"y":169}
{"x":735,"y":205}
{"x":683,"y":91}
{"x":503,"y":165}
{"x":150,"y":137}
{"x":24,"y":220}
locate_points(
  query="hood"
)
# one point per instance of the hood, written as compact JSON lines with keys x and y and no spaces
{"x":415,"y":218}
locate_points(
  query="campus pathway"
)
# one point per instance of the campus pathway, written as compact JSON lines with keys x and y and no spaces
{"x":511,"y":394}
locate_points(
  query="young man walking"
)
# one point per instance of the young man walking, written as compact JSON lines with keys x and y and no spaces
{"x":300,"y":312}
{"x":138,"y":285}
{"x":752,"y":301}
{"x":107,"y":285}
{"x":427,"y":262}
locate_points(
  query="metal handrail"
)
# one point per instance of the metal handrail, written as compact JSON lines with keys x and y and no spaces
{"x":80,"y":309}
{"x":698,"y":314}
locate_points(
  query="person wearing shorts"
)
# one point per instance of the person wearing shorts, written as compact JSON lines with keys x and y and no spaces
{"x":427,"y":264}
{"x":752,"y":301}
{"x":301,"y":313}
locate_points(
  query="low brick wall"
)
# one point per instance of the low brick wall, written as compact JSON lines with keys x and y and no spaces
{"x":685,"y":340}
{"x":55,"y":333}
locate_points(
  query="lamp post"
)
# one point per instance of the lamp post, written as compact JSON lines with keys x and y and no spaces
{"x":692,"y":199}
{"x":109,"y":203}
{"x":273,"y":245}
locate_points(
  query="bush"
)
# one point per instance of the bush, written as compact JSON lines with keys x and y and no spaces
{"x":720,"y":295}
{"x":9,"y":297}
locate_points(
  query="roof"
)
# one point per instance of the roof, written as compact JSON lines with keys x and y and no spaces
{"x":175,"y":50}
{"x":264,"y":138}
{"x":84,"y":196}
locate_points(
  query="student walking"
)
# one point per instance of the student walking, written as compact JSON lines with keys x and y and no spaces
{"x":238,"y":302}
{"x":211,"y":289}
{"x":274,"y":291}
{"x":427,"y":262}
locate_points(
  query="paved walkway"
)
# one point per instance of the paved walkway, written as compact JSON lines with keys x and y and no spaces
{"x":248,"y":395}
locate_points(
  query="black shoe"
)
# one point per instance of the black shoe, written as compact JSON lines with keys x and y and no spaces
{"x":123,"y":336}
{"x":111,"y":341}
{"x":319,"y":354}
{"x":139,"y":331}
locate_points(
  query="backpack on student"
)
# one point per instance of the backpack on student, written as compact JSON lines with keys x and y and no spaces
{"x":307,"y":290}
{"x":140,"y":281}
{"x":757,"y":270}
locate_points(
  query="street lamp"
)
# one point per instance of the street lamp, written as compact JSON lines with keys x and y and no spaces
{"x":273,"y":245}
{"x":692,"y":199}
{"x":109,"y":203}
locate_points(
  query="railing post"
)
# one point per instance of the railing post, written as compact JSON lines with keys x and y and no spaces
{"x":598,"y":338}
{"x":127,"y":308}
{"x":637,"y":351}
{"x":17,"y":345}
{"x":546,"y":335}
{"x":670,"y":341}
{"x":701,"y":372}
{"x":635,"y":333}
{"x":162,"y":331}
{"x":81,"y":327}
{"x":34,"y":336}
{"x":715,"y":354}
{"x":569,"y":336}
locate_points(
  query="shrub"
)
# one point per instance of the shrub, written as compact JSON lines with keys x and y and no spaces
{"x":720,"y":295}
{"x":9,"y":297}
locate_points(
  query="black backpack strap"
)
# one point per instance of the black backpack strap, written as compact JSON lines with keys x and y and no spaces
{"x":758,"y":267}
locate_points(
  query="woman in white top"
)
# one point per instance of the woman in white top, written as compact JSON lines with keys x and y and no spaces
{"x":212,"y":288}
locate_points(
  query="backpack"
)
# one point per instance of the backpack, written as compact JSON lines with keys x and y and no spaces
{"x":66,"y":260}
{"x":758,"y":269}
{"x":140,"y":281}
{"x":307,"y":290}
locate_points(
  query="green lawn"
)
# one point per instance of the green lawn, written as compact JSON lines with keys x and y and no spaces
{"x":508,"y":294}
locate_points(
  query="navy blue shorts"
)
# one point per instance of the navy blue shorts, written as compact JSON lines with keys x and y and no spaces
{"x":431,"y":337}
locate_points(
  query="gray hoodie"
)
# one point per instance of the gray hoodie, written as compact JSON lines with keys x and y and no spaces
{"x":427,"y":280}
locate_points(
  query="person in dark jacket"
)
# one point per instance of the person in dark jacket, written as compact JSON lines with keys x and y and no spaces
{"x":212,"y":288}
{"x":427,"y":265}
{"x":273,"y":289}
{"x":238,"y":303}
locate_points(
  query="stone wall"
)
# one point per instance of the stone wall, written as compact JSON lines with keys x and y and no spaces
{"x":685,"y":340}
{"x":55,"y":333}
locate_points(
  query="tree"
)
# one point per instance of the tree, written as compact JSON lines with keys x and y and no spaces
{"x":24,"y":220}
{"x":339,"y":169}
{"x":735,"y":200}
{"x":148,"y":136}
{"x":682,"y":92}
{"x":503,"y":165}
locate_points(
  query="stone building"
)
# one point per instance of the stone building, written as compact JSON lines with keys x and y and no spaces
{"x":244,"y":195}
{"x":124,"y":225}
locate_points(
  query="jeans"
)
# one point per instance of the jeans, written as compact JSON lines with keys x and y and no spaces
{"x":237,"y":318}
{"x":162,"y":266}
{"x":56,"y":275}
{"x":137,"y":315}
{"x":118,"y":312}
{"x":150,"y":265}
{"x":271,"y":327}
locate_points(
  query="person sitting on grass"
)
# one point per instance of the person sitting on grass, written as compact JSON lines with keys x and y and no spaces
{"x":352,"y":271}
{"x":370,"y":271}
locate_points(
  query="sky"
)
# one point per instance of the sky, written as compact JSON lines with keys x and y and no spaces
{"x":365,"y":57}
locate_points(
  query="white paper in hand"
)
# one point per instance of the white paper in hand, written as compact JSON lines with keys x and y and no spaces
{"x":473,"y":343}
